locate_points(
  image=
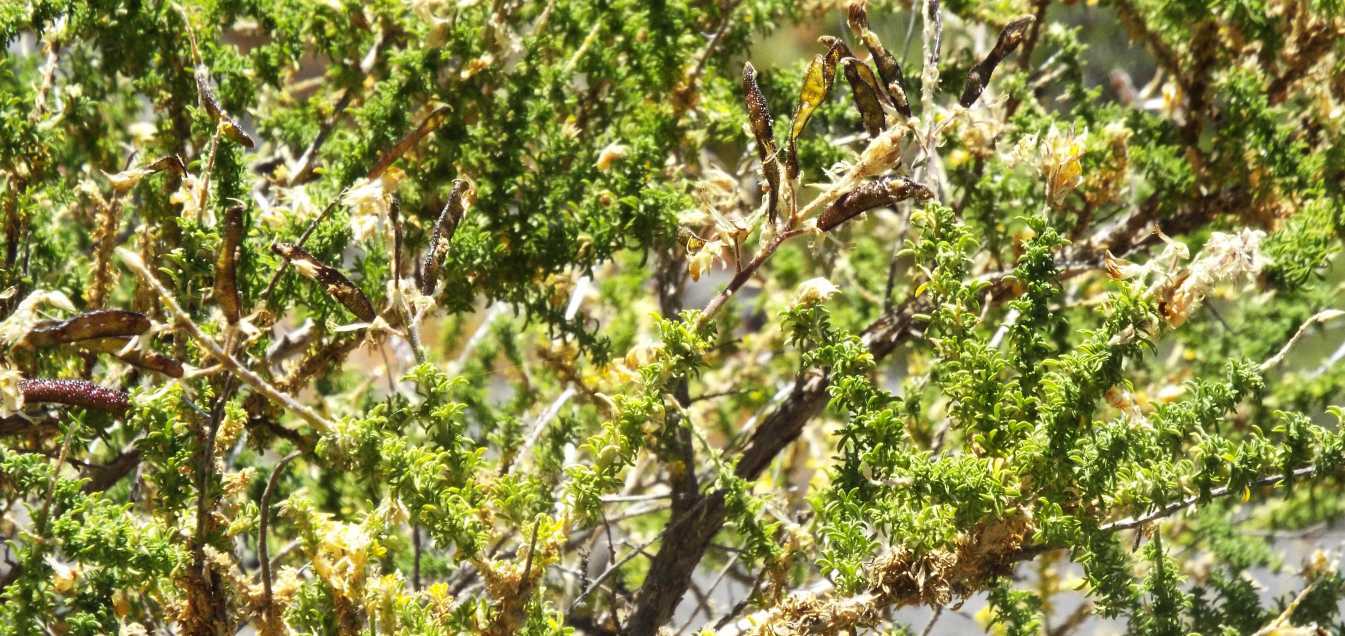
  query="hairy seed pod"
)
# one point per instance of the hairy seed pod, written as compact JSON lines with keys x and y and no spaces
{"x":80,"y":393}
{"x":867,"y":94}
{"x":759,"y":115}
{"x":101,"y":323}
{"x":226,"y":264}
{"x":444,"y":228}
{"x":979,"y":76}
{"x":336,"y":283}
{"x":888,"y":67}
{"x":150,"y":360}
{"x":880,"y":192}
{"x":210,"y":101}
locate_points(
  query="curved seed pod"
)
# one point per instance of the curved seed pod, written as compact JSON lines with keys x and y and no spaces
{"x":816,"y":86}
{"x":979,"y":76}
{"x":226,"y":264}
{"x":210,"y":101}
{"x":449,"y":218}
{"x":759,"y":115}
{"x":864,"y":86}
{"x":888,"y":67}
{"x":336,"y":283}
{"x":101,"y":323}
{"x":172,"y":163}
{"x":74,"y":393}
{"x":427,"y":125}
{"x":150,"y":360}
{"x":880,"y":192}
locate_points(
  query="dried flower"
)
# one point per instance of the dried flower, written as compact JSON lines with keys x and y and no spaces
{"x":26,"y":315}
{"x":704,"y":259}
{"x":609,"y":155}
{"x":125,"y":180}
{"x":814,"y":291}
{"x":1224,"y":257}
{"x":64,"y":576}
{"x":11,"y":393}
{"x":370,"y":202}
{"x":188,"y":196}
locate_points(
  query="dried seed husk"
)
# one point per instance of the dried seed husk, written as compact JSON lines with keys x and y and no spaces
{"x":320,"y":358}
{"x":226,"y":264}
{"x":80,"y":393}
{"x":864,"y":86}
{"x":817,"y":83}
{"x":150,"y":360}
{"x":894,"y":81}
{"x":979,"y":76}
{"x":336,"y":283}
{"x":100,"y":323}
{"x":759,"y":115}
{"x":899,"y":100}
{"x":210,"y":101}
{"x":872,"y":194}
{"x":444,"y":228}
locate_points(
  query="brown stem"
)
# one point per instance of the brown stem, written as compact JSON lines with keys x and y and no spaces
{"x":263,"y":552}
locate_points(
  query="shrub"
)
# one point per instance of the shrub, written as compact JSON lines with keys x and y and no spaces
{"x":543,"y":317}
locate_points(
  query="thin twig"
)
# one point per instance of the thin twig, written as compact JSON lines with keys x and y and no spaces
{"x":929,"y":628}
{"x":1321,"y":316}
{"x":262,"y":551}
{"x":133,"y":261}
{"x":1222,"y":491}
{"x":632,"y":554}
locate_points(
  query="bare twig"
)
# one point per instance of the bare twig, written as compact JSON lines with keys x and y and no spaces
{"x":133,"y":261}
{"x":264,"y":524}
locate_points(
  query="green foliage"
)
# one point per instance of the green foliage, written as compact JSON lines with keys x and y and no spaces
{"x":550,"y":361}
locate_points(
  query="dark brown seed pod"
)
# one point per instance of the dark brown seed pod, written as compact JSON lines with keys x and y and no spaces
{"x":226,"y":264}
{"x":336,"y":283}
{"x":979,"y":76}
{"x":210,"y":101}
{"x":150,"y":360}
{"x":876,"y":193}
{"x":449,"y":218}
{"x":759,"y":115}
{"x":864,"y":87}
{"x":80,"y":393}
{"x":101,"y":323}
{"x":888,"y":67}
